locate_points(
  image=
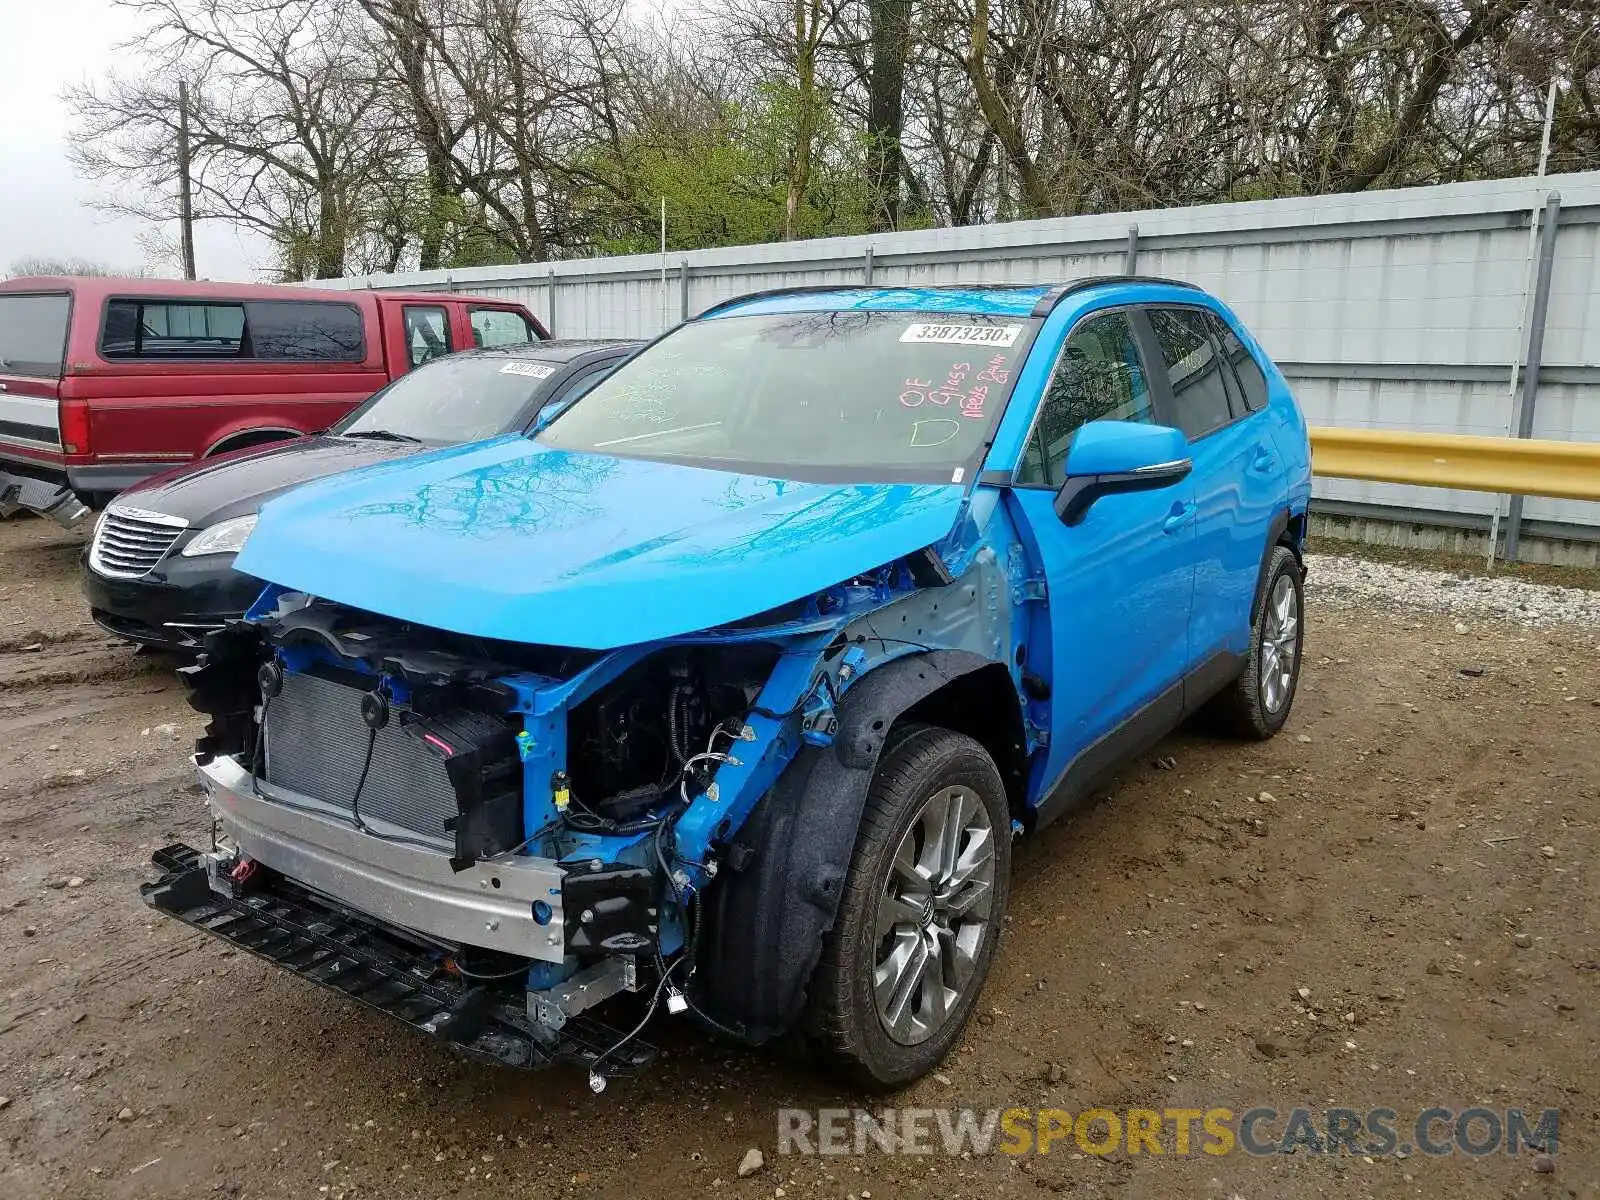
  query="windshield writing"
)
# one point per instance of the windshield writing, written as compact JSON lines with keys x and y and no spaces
{"x":872,"y":396}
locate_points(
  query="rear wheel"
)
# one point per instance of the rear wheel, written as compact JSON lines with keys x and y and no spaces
{"x":920,"y":914}
{"x":1257,"y":704}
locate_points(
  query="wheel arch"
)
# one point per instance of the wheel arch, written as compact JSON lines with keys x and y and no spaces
{"x":245,"y":439}
{"x":778,"y":895}
{"x":1287,"y":529}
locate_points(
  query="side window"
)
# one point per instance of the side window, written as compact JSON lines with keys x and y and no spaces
{"x":172,"y":329}
{"x":427,"y":332}
{"x":1252,"y":380}
{"x":294,"y":331}
{"x":263,"y":330}
{"x":500,"y":327}
{"x":1199,"y":394}
{"x":1098,"y":377}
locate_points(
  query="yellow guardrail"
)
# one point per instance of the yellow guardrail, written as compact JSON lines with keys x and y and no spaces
{"x":1514,"y":466}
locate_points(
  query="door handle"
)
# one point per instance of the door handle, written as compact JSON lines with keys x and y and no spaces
{"x":1181,"y":515}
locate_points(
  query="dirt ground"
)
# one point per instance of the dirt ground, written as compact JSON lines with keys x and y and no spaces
{"x":1391,"y":853}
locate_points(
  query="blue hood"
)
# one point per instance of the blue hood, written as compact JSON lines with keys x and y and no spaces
{"x":508,"y":539}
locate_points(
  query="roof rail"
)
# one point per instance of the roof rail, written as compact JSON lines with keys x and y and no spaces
{"x":1056,"y":295}
{"x":1045,"y":305}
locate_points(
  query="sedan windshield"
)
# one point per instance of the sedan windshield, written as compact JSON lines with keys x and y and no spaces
{"x":849,"y":396}
{"x":453,"y":400}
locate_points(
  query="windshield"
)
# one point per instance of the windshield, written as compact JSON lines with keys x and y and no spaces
{"x":454,"y":400}
{"x":854,"y":396}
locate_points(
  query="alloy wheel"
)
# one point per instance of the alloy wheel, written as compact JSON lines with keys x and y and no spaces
{"x":933,"y":914}
{"x":1280,"y":634}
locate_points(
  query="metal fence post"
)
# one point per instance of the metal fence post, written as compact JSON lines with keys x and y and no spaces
{"x":1130,"y":257}
{"x":550,"y":300}
{"x":1535,"y":354}
{"x":866,"y":268}
{"x":683,"y":290}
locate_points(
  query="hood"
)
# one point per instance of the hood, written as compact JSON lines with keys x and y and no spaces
{"x":509,"y":539}
{"x":236,"y":484}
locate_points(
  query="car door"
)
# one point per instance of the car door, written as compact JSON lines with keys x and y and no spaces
{"x":1236,"y":478}
{"x":1110,"y":641}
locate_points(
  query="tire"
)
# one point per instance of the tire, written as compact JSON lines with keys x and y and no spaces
{"x":925,"y":777}
{"x":1256,"y":705}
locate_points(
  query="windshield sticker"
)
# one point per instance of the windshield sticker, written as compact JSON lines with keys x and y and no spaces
{"x":962,"y":335}
{"x":533,"y":370}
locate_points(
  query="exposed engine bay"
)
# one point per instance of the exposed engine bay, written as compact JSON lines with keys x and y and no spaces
{"x":488,"y":756}
{"x":525,"y":832}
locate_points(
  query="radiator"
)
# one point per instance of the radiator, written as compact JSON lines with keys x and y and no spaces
{"x":316,"y":743}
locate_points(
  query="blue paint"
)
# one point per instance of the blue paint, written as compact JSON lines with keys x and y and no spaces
{"x":516,"y":541}
{"x":994,"y":302}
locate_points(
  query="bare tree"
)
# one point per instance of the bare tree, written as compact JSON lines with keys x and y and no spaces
{"x":281,"y":136}
{"x":364,"y":135}
{"x":37,"y":265}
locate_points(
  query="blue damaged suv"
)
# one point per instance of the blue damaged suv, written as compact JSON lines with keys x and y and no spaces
{"x":726,"y":691}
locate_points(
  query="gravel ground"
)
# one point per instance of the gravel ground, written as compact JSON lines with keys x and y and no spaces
{"x":1390,"y":904}
{"x":1345,"y":581}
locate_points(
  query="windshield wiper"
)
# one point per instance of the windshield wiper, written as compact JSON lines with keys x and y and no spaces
{"x":382,"y":435}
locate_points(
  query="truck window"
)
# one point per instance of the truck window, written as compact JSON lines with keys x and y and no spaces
{"x":427,"y":330}
{"x":33,"y":334}
{"x":290,"y":329}
{"x":261,"y":330}
{"x":500,"y":327}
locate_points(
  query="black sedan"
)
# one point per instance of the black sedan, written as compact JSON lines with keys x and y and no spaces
{"x":159,"y":569}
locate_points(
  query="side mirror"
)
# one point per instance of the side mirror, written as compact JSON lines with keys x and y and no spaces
{"x":1107,"y":457}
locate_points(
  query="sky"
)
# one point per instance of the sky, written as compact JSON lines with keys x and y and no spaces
{"x":46,"y":210}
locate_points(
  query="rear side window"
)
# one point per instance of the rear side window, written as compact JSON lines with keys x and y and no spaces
{"x":292,"y":330}
{"x":1199,"y":393}
{"x":1252,"y":381}
{"x":33,"y":335}
{"x":500,"y":327}
{"x":259,"y":330}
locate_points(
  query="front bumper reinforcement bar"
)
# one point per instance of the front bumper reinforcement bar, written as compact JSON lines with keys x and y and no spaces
{"x":295,"y":929}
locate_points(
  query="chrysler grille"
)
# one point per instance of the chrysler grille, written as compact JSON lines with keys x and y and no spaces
{"x":316,"y":744}
{"x":128,"y":543}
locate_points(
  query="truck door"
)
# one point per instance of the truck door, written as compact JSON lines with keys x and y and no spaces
{"x":416,"y":333}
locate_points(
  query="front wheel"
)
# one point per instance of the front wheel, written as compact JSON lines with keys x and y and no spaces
{"x":920,"y":915}
{"x":1257,"y":704}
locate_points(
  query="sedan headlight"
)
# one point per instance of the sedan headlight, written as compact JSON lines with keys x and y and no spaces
{"x":225,"y":537}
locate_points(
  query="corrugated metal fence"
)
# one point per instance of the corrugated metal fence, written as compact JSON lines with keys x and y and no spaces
{"x":1394,"y":310}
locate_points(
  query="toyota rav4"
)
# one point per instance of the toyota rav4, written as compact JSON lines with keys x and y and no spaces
{"x":727,"y":690}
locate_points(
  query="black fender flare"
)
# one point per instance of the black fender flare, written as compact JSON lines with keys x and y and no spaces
{"x":776,"y":897}
{"x":1275,"y":532}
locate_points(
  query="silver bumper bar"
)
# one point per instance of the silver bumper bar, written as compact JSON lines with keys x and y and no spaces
{"x":490,"y":904}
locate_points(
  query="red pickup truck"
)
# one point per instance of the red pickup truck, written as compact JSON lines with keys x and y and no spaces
{"x":105,"y":382}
